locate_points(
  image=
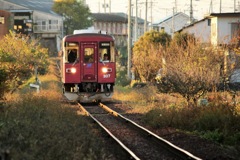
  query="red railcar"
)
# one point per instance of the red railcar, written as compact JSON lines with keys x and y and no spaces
{"x":88,"y":66}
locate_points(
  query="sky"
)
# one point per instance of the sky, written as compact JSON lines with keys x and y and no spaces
{"x":161,"y":9}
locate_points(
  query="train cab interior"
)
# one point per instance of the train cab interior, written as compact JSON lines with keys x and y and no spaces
{"x":71,"y":53}
{"x":106,"y":52}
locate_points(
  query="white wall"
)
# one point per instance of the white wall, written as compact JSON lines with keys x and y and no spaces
{"x":218,"y":33}
{"x":200,"y":30}
{"x":174,"y":24}
{"x":224,"y":28}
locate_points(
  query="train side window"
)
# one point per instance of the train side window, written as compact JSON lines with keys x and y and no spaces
{"x":72,"y":55}
{"x":89,"y":55}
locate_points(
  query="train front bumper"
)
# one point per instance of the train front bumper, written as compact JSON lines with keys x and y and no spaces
{"x":88,"y":97}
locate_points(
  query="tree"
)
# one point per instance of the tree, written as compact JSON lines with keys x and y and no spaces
{"x":76,"y":14}
{"x":147,"y":54}
{"x":190,"y":69}
{"x":18,"y":56}
{"x":3,"y":79}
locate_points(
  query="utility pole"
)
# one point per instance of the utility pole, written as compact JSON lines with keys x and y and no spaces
{"x":136,"y":21}
{"x":211,"y":7}
{"x":145,"y":22}
{"x":220,"y":6}
{"x":110,"y":6}
{"x":129,"y":39}
{"x":173,"y":23}
{"x":104,"y":5}
{"x":176,"y":9}
{"x":234,"y":6}
{"x":238,"y":6}
{"x":151,"y":15}
{"x":99,"y":6}
{"x":191,"y":12}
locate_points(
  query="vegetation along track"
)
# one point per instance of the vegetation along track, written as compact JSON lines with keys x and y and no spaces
{"x":137,"y":141}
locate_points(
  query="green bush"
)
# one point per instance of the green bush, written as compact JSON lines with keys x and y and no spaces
{"x":3,"y":78}
{"x":215,"y":135}
{"x":122,"y":79}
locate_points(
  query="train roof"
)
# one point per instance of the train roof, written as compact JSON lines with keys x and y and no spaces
{"x":90,"y":37}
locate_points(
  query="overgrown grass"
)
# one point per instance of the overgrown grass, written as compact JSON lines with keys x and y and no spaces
{"x":218,"y":121}
{"x":39,"y":126}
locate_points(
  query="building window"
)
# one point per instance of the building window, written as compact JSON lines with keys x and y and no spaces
{"x":209,"y":22}
{"x":104,"y":27}
{"x":114,"y":28}
{"x":41,"y":25}
{"x":53,"y":24}
{"x":235,"y":30}
{"x":162,"y":28}
{"x":119,"y":28}
{"x":1,"y":20}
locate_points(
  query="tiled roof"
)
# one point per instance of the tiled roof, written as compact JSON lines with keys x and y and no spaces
{"x":39,"y":5}
{"x":227,"y":14}
{"x":109,"y":17}
{"x":113,"y":17}
{"x":170,"y":17}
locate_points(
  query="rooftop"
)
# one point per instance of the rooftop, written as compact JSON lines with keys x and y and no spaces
{"x":39,"y":5}
{"x":113,"y":17}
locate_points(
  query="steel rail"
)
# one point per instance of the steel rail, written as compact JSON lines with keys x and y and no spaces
{"x":168,"y":145}
{"x":104,"y":128}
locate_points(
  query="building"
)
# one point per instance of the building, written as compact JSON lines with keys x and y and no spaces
{"x":116,"y":24}
{"x":216,"y":28}
{"x":34,"y":18}
{"x":200,"y":29}
{"x":172,"y":23}
{"x":4,"y":22}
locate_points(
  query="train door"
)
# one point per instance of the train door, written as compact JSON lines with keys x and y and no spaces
{"x":89,"y":62}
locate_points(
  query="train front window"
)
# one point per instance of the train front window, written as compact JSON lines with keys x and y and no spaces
{"x":88,"y":55}
{"x":106,"y":52}
{"x":71,"y":52}
{"x":72,"y":55}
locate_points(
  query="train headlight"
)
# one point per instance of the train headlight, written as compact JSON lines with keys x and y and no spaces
{"x":104,"y":70}
{"x":71,"y":70}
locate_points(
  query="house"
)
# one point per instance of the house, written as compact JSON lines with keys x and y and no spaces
{"x":216,"y":28}
{"x":116,"y":24}
{"x":113,"y":24}
{"x":4,"y":22}
{"x":200,"y":29}
{"x":220,"y":29}
{"x":172,"y":23}
{"x":34,"y":18}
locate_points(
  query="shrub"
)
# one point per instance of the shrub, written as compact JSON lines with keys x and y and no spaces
{"x":19,"y":56}
{"x":3,"y":78}
{"x":122,"y":79}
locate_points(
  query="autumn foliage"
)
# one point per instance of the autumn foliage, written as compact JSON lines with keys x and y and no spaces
{"x":187,"y":67}
{"x":190,"y":69}
{"x":147,"y":54}
{"x":18,"y":56}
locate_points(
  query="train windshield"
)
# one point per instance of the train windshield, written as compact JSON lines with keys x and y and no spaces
{"x":71,"y":52}
{"x":88,"y":55}
{"x":106,"y":52}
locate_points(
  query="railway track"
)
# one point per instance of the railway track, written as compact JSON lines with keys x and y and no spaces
{"x":136,"y":140}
